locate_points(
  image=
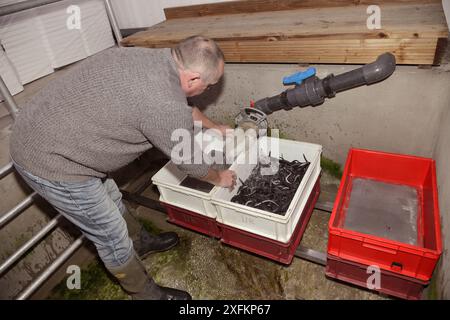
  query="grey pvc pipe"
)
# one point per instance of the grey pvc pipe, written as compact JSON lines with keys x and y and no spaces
{"x":28,"y":201}
{"x":29,"y":244}
{"x":313,"y":91}
{"x":4,"y":171}
{"x":373,"y":72}
{"x":51,"y":269}
{"x":9,"y":100}
{"x":24,"y":5}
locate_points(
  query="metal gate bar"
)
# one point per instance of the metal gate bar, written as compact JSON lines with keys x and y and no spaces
{"x":4,"y":171}
{"x":29,"y":244}
{"x":18,"y":209}
{"x":51,"y":269}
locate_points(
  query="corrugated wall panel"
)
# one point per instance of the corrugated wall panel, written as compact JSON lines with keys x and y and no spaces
{"x":7,"y":2}
{"x":22,"y":41}
{"x":95,"y":28}
{"x":64,"y":45}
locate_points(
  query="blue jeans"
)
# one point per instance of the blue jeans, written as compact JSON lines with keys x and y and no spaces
{"x":95,"y":207}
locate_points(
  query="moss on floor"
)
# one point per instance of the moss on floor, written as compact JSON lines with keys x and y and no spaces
{"x":96,"y":284}
{"x":149,"y":226}
{"x":208,"y":269}
{"x":432,"y":292}
{"x":333,"y":168}
{"x":174,"y":258}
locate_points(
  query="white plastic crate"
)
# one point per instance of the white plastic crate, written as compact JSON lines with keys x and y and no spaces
{"x":168,"y":181}
{"x":169,"y":178}
{"x":264,"y":223}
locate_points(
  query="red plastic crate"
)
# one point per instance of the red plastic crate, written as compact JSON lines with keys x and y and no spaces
{"x":192,"y":220}
{"x":269,"y":248}
{"x":414,"y":261}
{"x":390,"y":283}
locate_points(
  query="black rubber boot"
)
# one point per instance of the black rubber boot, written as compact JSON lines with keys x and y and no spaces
{"x":134,"y":279}
{"x":149,"y":243}
{"x":160,"y":293}
{"x":145,"y":243}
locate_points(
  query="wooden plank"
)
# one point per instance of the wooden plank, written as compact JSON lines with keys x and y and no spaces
{"x":313,"y":35}
{"x":407,"y":51}
{"x":251,"y":6}
{"x":398,"y":21}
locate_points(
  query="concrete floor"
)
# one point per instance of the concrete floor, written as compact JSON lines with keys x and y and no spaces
{"x":202,"y":265}
{"x":211,"y":270}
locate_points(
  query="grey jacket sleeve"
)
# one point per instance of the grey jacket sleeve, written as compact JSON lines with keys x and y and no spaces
{"x":170,"y":128}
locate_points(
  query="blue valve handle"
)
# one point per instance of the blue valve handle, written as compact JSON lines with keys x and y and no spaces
{"x":298,"y":77}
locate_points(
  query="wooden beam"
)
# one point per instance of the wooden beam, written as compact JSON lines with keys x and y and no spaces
{"x":398,"y":21}
{"x":406,"y":51}
{"x":252,"y":6}
{"x":350,"y":51}
{"x":313,"y":35}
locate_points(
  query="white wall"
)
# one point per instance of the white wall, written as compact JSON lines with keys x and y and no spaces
{"x":145,"y":13}
{"x":37,"y":41}
{"x":442,"y":157}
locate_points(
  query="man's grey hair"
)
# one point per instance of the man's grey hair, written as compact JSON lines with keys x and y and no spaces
{"x":201,"y":55}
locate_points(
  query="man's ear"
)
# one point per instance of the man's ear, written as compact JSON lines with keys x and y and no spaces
{"x":191,"y":77}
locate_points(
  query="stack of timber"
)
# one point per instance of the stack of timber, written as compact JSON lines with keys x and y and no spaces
{"x":308,"y":31}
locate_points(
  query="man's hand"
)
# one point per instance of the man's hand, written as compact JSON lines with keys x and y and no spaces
{"x":224,"y":178}
{"x":227,"y":179}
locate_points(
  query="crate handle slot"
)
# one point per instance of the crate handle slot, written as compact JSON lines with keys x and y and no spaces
{"x":397,"y":266}
{"x":371,"y":246}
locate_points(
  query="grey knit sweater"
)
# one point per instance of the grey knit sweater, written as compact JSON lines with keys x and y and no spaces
{"x":101,"y":115}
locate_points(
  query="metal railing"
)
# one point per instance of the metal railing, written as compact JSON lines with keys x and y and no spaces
{"x":51,"y":269}
{"x":113,"y":21}
{"x":28,"y":245}
{"x":9,"y":168}
{"x":18,"y":209}
{"x":37,"y":238}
